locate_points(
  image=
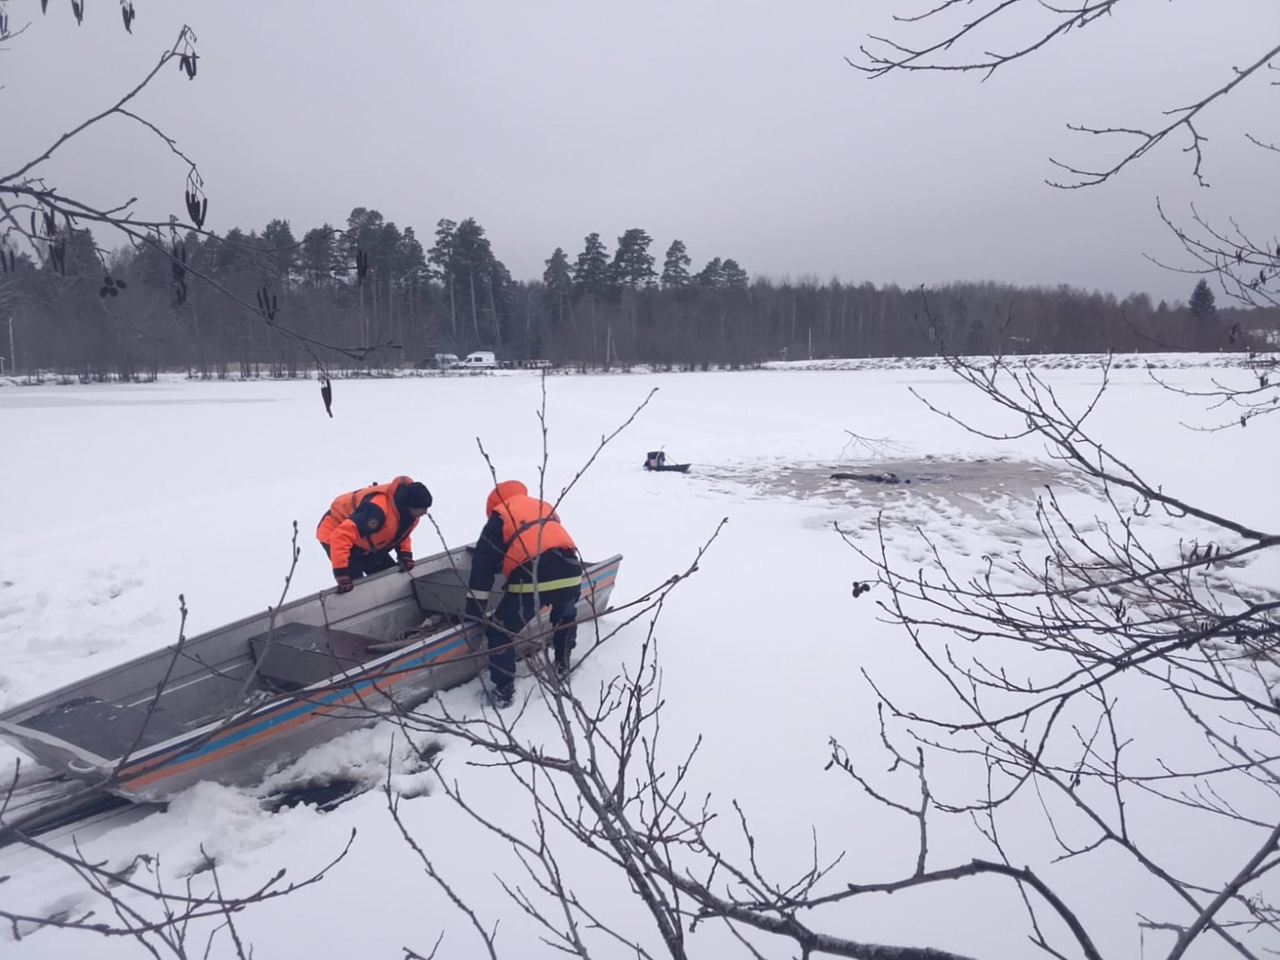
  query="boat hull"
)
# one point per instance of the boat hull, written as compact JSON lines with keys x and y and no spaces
{"x":217,"y":707}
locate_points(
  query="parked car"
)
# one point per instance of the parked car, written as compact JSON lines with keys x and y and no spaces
{"x":441,"y":361}
{"x":480,"y":360}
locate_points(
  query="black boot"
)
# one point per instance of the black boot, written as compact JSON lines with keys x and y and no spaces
{"x":562,"y":666}
{"x":502,"y":695}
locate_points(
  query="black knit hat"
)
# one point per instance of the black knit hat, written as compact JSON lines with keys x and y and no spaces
{"x":415,"y":495}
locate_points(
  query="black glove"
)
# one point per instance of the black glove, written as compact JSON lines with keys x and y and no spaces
{"x":345,"y":584}
{"x":405,"y":559}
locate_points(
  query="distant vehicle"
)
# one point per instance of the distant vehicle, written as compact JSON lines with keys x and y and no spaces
{"x":441,"y":361}
{"x":480,"y":360}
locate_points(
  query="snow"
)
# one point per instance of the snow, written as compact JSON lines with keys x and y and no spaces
{"x":120,"y":498}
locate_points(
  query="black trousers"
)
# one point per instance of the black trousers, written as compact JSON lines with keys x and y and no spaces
{"x":361,"y":564}
{"x":517,"y":608}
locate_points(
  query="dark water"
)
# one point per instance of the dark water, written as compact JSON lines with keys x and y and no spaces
{"x":323,"y":796}
{"x":980,"y":479}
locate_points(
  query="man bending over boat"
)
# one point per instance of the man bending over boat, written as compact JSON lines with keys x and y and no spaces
{"x":361,"y":527}
{"x":524,"y":539}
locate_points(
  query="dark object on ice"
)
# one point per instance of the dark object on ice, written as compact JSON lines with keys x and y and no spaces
{"x":657,"y":460}
{"x":326,"y":394}
{"x":887,"y":477}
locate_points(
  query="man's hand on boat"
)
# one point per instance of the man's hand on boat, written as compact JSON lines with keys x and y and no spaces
{"x":345,"y":583}
{"x":405,"y":559}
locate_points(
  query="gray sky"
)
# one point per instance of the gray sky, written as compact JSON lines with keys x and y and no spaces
{"x":733,"y":125}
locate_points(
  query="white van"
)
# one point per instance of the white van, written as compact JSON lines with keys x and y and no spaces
{"x":443,"y":361}
{"x":479,"y":360}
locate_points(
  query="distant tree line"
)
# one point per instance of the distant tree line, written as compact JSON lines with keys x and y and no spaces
{"x":371,"y":290}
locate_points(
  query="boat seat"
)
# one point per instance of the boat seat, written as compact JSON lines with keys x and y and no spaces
{"x":442,"y":591}
{"x":300,"y":654}
{"x":106,"y":729}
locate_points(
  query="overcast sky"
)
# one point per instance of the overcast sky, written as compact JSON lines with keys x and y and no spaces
{"x":733,"y":125}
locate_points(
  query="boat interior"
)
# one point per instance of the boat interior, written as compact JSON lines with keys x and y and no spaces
{"x":207,"y":678}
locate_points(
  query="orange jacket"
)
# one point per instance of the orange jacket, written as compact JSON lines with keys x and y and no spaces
{"x":368,"y":520}
{"x":529,"y":525}
{"x":519,"y":528}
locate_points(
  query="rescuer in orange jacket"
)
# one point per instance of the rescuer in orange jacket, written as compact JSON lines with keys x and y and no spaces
{"x":523,"y":538}
{"x":361,"y":527}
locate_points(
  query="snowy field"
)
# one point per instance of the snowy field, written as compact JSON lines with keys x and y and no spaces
{"x":119,"y":498}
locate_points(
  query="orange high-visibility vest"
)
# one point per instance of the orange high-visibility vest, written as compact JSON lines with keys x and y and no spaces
{"x":529,"y":527}
{"x":341,"y":534}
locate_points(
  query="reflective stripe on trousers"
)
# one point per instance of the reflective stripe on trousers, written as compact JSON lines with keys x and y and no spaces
{"x":544,"y":585}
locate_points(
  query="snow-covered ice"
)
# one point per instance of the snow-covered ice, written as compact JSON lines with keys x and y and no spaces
{"x":120,"y":498}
